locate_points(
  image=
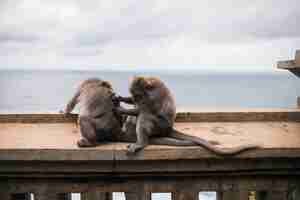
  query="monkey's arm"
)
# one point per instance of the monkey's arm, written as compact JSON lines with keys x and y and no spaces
{"x":72,"y":103}
{"x":128,"y":100}
{"x":123,"y":111}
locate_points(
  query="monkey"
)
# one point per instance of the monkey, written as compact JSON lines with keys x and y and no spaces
{"x":154,"y":112}
{"x":97,"y":120}
{"x":128,"y":133}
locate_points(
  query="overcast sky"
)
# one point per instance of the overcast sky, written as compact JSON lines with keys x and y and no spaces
{"x":147,"y":34}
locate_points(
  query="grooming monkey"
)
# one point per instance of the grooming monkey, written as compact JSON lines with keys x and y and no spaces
{"x":155,"y":114}
{"x":97,"y":121}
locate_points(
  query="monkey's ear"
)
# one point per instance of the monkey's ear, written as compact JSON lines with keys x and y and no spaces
{"x":106,"y":84}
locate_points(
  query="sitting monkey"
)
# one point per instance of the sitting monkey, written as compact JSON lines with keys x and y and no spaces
{"x":97,"y":121}
{"x":155,"y":114}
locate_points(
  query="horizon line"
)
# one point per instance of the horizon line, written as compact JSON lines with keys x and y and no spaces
{"x":176,"y":70}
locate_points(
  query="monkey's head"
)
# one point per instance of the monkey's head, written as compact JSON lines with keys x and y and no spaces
{"x":96,"y":82}
{"x":141,"y":85}
{"x":106,"y":84}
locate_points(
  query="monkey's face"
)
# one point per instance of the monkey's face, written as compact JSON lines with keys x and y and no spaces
{"x":138,"y":89}
{"x":137,"y":94}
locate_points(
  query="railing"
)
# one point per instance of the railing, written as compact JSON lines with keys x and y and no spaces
{"x":185,"y":187}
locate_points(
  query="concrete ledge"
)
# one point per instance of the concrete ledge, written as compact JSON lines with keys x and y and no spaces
{"x":45,"y":144}
{"x":220,"y":115}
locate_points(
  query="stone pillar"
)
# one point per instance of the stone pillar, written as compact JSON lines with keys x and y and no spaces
{"x":46,"y":196}
{"x":233,"y":195}
{"x":65,"y":196}
{"x":185,"y":195}
{"x":138,"y":195}
{"x":96,"y":196}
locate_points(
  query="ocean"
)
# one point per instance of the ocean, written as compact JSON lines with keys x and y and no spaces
{"x":48,"y":91}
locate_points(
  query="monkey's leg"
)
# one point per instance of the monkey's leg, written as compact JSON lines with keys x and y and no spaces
{"x":129,"y":129}
{"x":144,"y":129}
{"x":88,"y":132}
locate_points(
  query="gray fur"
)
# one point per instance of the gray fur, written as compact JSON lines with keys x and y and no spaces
{"x":97,"y":120}
{"x":155,"y":114}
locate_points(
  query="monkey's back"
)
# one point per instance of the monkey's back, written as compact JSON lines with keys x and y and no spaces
{"x":163,"y":102}
{"x":96,"y":102}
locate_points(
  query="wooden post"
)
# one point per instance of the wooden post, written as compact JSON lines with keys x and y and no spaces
{"x":21,"y":196}
{"x":96,"y":196}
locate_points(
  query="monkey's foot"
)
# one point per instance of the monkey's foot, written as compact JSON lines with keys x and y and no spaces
{"x":133,"y":148}
{"x":85,"y":143}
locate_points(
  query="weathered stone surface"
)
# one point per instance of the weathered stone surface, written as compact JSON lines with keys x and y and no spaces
{"x":42,"y":158}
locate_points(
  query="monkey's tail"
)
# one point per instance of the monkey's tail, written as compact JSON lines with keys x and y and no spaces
{"x":209,"y":146}
{"x":170,"y":141}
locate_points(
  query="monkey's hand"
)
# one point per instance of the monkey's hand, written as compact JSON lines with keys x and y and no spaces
{"x":116,"y":100}
{"x":64,"y":112}
{"x":128,"y":100}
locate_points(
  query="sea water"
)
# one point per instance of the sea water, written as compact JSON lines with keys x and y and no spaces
{"x":43,"y":91}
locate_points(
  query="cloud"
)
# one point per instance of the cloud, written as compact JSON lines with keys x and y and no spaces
{"x":66,"y":33}
{"x":214,"y":21}
{"x":9,"y":36}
